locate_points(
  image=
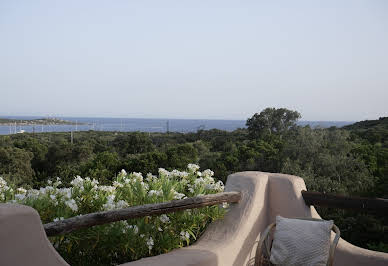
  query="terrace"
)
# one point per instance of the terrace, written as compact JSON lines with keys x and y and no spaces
{"x":230,"y":241}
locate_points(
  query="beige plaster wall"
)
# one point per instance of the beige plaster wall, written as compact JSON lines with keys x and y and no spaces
{"x":231,"y":241}
{"x":23,"y":241}
{"x":227,"y":242}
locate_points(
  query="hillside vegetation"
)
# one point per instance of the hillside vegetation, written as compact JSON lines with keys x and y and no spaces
{"x":352,"y":160}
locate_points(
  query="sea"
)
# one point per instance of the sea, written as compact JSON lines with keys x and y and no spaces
{"x":141,"y":124}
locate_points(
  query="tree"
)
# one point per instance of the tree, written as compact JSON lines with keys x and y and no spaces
{"x":15,"y":165}
{"x":178,"y":156}
{"x":103,"y":166}
{"x":271,"y":121}
{"x":133,"y":143}
{"x":39,"y":151}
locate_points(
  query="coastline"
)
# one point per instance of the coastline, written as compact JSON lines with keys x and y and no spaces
{"x":35,"y":122}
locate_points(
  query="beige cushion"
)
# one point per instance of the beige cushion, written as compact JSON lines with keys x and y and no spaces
{"x":301,"y":242}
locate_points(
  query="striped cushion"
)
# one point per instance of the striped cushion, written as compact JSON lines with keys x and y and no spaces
{"x":301,"y":242}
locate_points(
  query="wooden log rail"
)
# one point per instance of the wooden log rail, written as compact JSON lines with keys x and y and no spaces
{"x":98,"y":218}
{"x":376,"y":205}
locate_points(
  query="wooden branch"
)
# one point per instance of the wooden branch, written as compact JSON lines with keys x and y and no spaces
{"x":98,"y":218}
{"x":343,"y":202}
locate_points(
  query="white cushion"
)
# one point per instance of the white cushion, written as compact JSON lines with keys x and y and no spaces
{"x":301,"y":242}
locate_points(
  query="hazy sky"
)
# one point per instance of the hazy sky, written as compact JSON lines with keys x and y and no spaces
{"x":194,"y":59}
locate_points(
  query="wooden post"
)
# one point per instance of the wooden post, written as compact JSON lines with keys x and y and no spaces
{"x":98,"y":218}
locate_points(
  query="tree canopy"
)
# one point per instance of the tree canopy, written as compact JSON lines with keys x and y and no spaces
{"x":272,"y":121}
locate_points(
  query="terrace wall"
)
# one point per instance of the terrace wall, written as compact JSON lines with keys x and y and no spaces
{"x":230,"y":241}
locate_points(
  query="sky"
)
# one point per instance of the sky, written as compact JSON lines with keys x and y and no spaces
{"x":194,"y":59}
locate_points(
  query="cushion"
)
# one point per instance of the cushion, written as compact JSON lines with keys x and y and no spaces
{"x":301,"y":242}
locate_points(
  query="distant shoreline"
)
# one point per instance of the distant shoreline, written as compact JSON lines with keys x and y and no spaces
{"x":33,"y":122}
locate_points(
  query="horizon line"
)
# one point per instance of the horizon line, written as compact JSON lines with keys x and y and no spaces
{"x":165,"y":118}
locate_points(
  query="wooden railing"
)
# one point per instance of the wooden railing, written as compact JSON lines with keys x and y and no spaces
{"x":376,"y":205}
{"x":98,"y":218}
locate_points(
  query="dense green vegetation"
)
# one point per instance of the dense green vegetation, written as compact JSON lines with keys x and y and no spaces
{"x":352,"y":160}
{"x":128,"y":240}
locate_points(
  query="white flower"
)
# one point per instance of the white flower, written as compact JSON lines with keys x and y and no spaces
{"x":135,"y":229}
{"x":20,"y":197}
{"x":137,"y":176}
{"x":65,"y":192}
{"x":54,"y":199}
{"x":199,"y":174}
{"x":149,"y":177}
{"x":179,"y":174}
{"x":121,"y":204}
{"x":155,"y":193}
{"x":111,"y":197}
{"x":209,"y":179}
{"x":191,"y":190}
{"x":123,"y":172}
{"x":225,"y":205}
{"x":72,"y":204}
{"x":77,"y":182}
{"x":208,"y":172}
{"x":163,"y":171}
{"x":142,"y":235}
{"x":164,"y":218}
{"x":184,"y":235}
{"x":144,"y":185}
{"x":117,"y":184}
{"x":109,"y":189}
{"x":184,"y":174}
{"x":95,"y":182}
{"x":160,"y":229}
{"x":209,"y":186}
{"x":47,"y":189}
{"x":219,"y":186}
{"x":58,"y":219}
{"x":33,"y":194}
{"x":193,"y":167}
{"x":110,"y":204}
{"x":150,"y":243}
{"x":199,"y":182}
{"x":178,"y":195}
{"x":3,"y":183}
{"x":21,"y":190}
{"x":125,"y":223}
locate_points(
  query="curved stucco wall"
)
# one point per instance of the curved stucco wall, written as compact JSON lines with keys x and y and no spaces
{"x":23,"y":241}
{"x":231,"y":241}
{"x":227,"y":242}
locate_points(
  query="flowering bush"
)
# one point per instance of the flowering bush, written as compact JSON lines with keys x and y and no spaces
{"x":128,"y":240}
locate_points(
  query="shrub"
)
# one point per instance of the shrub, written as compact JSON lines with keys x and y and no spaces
{"x":128,"y":240}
